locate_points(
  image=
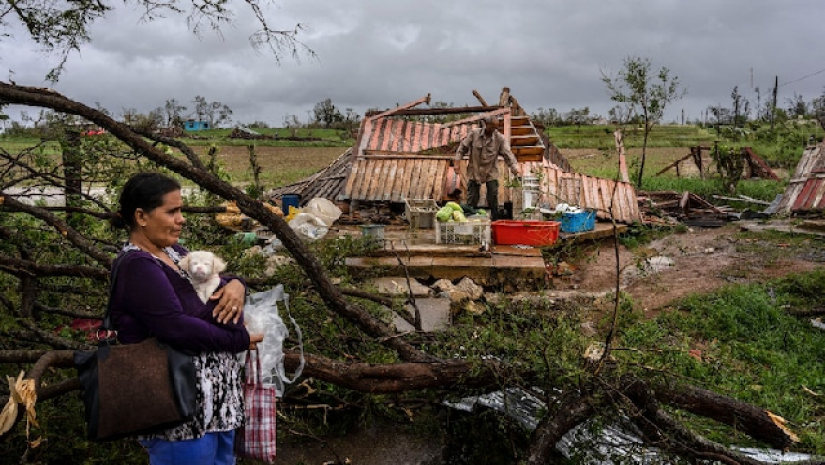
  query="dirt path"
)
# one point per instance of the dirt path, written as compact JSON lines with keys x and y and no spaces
{"x":701,"y":261}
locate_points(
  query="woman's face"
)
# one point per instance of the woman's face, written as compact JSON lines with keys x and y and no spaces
{"x":162,"y":226}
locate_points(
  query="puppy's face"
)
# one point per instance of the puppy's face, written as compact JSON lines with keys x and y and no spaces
{"x":202,"y":265}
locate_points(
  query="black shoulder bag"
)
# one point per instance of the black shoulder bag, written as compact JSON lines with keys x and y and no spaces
{"x":133,"y":389}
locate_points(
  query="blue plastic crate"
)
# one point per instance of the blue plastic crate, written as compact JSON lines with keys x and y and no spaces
{"x":578,"y":222}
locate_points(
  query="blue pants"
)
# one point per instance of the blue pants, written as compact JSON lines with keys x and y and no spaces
{"x":212,"y":448}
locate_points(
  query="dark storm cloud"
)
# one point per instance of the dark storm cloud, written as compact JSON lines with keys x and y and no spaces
{"x":376,"y":54}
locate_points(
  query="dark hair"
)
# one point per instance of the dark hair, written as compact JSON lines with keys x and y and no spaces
{"x":144,"y":191}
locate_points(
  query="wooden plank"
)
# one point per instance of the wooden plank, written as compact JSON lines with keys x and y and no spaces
{"x":353,"y":174}
{"x":521,"y":130}
{"x":389,"y":188}
{"x":428,"y":186}
{"x":404,"y":174}
{"x":373,"y":136}
{"x":386,"y":134}
{"x":415,"y":173}
{"x":526,"y":140}
{"x":372,"y":182}
{"x":416,"y":137}
{"x":608,"y":195}
{"x":440,"y":177}
{"x":364,"y":180}
{"x":358,"y":179}
{"x":408,"y":137}
{"x":383,"y":181}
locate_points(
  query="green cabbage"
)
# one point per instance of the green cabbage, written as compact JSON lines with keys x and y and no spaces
{"x":445,"y":214}
{"x":454,"y":206}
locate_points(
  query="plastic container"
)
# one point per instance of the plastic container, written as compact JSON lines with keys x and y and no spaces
{"x":467,"y":232}
{"x":420,"y":213}
{"x":373,"y":233}
{"x":578,"y":222}
{"x":290,"y":200}
{"x":535,"y":233}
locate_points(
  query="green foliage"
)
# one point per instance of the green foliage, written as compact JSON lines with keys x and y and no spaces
{"x":730,"y":164}
{"x":645,"y":94}
{"x":751,"y":348}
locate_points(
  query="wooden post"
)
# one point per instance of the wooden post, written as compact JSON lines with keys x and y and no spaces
{"x":622,"y":159}
{"x":773,"y":109}
{"x":508,"y":124}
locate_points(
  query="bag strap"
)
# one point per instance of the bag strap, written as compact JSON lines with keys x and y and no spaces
{"x":257,"y":377}
{"x":107,"y":317}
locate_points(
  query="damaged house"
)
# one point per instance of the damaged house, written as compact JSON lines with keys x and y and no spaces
{"x":405,"y":153}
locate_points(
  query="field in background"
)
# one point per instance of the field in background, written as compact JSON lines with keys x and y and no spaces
{"x":281,"y":166}
{"x":601,"y":137}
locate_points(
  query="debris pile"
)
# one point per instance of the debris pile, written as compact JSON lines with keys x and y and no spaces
{"x":667,"y":208}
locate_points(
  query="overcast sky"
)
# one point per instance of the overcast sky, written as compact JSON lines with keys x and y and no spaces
{"x":379,"y":53}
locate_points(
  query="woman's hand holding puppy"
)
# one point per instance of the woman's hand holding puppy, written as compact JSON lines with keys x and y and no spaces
{"x":230,"y":302}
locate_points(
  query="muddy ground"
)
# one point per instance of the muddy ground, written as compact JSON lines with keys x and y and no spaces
{"x":703,"y":260}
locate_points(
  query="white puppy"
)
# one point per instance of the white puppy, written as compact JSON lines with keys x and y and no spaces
{"x":203,"y":268}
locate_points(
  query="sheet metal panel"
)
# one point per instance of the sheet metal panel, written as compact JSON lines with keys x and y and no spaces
{"x":806,"y":188}
{"x":376,"y":179}
{"x":592,"y":192}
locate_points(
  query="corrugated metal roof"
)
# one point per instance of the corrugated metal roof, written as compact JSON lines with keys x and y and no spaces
{"x":601,"y":194}
{"x":395,"y":179}
{"x":327,"y":183}
{"x":806,"y":190}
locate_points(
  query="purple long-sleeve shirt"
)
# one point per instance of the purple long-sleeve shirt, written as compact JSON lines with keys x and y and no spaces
{"x":152,"y":299}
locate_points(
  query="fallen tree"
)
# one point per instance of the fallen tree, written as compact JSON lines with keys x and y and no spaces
{"x":87,"y":259}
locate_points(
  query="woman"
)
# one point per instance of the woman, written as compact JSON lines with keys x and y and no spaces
{"x":153,"y":297}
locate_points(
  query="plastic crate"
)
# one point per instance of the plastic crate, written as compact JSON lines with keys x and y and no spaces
{"x":578,"y":222}
{"x":373,"y":234}
{"x":528,"y":232}
{"x":465,"y":232}
{"x":420,"y":213}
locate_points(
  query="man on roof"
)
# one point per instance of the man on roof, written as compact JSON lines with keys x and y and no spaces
{"x":484,"y":145}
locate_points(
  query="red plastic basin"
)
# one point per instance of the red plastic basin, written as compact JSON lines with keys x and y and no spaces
{"x":514,"y":232}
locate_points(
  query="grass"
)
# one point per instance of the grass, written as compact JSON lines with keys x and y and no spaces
{"x":751,"y":349}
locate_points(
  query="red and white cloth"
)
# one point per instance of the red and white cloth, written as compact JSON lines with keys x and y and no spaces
{"x":256,"y":439}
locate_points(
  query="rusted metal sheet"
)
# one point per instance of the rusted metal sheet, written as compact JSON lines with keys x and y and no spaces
{"x":806,"y":189}
{"x":401,"y":136}
{"x":396,"y":179}
{"x":590,"y":192}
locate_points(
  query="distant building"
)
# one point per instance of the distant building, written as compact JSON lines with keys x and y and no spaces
{"x":192,"y":125}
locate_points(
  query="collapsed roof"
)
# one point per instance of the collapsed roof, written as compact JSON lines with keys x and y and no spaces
{"x":405,"y":153}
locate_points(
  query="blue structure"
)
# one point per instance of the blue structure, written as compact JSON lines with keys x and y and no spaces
{"x":192,"y":125}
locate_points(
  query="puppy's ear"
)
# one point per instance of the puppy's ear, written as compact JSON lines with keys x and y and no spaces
{"x":184,"y":263}
{"x":218,"y":264}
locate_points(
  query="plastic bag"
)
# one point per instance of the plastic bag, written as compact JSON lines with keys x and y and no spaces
{"x":324,"y":210}
{"x":309,"y":226}
{"x":261,"y":315}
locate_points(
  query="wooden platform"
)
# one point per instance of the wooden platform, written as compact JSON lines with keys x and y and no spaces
{"x":504,"y":266}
